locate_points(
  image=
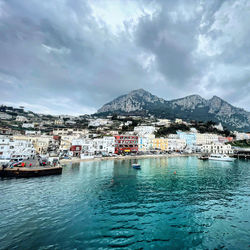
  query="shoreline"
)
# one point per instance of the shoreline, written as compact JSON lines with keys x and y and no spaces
{"x":128,"y":157}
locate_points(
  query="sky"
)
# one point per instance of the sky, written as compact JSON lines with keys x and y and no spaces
{"x":71,"y":57}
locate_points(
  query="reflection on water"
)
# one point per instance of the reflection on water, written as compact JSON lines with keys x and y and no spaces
{"x":109,"y":204}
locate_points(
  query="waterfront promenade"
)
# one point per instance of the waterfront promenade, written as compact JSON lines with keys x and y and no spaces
{"x":127,"y":157}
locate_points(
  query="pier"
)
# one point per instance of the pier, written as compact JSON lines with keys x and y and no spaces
{"x":242,"y":153}
{"x":25,"y":172}
{"x":31,"y":169}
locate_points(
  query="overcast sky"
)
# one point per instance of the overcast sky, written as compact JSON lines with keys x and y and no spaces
{"x":72,"y":56}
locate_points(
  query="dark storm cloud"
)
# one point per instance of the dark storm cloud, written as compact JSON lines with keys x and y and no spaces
{"x":66,"y":56}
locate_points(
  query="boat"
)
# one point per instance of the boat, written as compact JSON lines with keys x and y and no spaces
{"x":203,"y":157}
{"x":220,"y":157}
{"x":136,"y":166}
{"x":26,"y":172}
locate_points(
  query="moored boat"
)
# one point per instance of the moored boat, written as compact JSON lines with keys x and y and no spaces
{"x":136,"y":166}
{"x":203,"y":157}
{"x":220,"y":157}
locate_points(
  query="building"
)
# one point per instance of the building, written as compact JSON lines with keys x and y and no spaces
{"x":160,"y":144}
{"x":41,"y":143}
{"x":190,"y":138}
{"x":21,"y":118}
{"x":70,"y":131}
{"x":217,"y":148}
{"x":206,"y":138}
{"x":164,"y":122}
{"x":104,"y":146}
{"x":241,"y":136}
{"x":145,"y":142}
{"x":28,"y":125}
{"x":98,"y":122}
{"x":5,"y":131}
{"x":4,"y":116}
{"x":179,"y":121}
{"x":144,"y":130}
{"x":175,"y":144}
{"x":126,"y":144}
{"x":10,"y":148}
{"x":76,"y":150}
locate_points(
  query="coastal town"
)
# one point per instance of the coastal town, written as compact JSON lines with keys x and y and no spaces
{"x":24,"y":134}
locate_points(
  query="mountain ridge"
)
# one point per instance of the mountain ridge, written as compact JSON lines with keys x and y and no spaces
{"x":192,"y":107}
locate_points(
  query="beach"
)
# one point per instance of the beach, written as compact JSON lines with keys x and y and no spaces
{"x":127,"y":157}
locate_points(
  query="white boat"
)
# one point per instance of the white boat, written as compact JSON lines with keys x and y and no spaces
{"x":136,"y":166}
{"x":220,"y":157}
{"x":86,"y":156}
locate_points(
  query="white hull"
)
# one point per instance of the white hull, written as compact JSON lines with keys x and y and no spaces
{"x":221,"y":159}
{"x":85,"y":157}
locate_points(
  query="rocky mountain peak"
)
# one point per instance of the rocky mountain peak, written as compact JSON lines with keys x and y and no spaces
{"x":189,"y":102}
{"x":192,"y":107}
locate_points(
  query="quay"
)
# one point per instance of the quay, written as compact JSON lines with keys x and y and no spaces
{"x":31,"y":169}
{"x":25,"y":172}
{"x":242,"y":153}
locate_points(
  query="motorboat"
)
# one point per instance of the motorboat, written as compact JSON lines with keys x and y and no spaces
{"x":220,"y":157}
{"x":136,"y":166}
{"x":203,"y":157}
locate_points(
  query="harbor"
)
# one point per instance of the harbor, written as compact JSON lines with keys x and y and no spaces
{"x":170,"y":201}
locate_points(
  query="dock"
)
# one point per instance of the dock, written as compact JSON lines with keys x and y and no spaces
{"x":242,"y":153}
{"x":26,"y":172}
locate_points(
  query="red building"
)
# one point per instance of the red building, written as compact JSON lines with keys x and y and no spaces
{"x":76,"y":149}
{"x":126,"y":144}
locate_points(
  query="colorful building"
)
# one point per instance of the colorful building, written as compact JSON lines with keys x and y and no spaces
{"x":190,"y":138}
{"x":126,"y":144}
{"x":160,"y":144}
{"x":145,"y":143}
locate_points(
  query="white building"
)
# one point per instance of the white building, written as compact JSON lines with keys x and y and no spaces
{"x":41,"y":143}
{"x":175,"y":144}
{"x":70,"y":131}
{"x":164,"y":122}
{"x":10,"y":148}
{"x":144,"y":130}
{"x":127,"y":123}
{"x":206,"y":138}
{"x":21,"y":118}
{"x":179,"y":121}
{"x":217,"y":148}
{"x":98,"y":122}
{"x":145,"y":143}
{"x":5,"y":116}
{"x":242,"y":136}
{"x":32,"y":132}
{"x":105,"y":145}
{"x":28,"y":125}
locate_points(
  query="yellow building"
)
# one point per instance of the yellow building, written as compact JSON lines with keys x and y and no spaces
{"x":40,"y":142}
{"x":160,"y":144}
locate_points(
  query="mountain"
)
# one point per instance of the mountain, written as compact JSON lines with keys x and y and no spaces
{"x":134,"y":101}
{"x":193,"y":107}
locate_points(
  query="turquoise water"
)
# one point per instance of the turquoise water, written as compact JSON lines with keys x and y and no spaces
{"x":108,"y":204}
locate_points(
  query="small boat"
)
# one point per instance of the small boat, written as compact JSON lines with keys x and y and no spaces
{"x":203,"y":157}
{"x":220,"y":157}
{"x":136,"y":166}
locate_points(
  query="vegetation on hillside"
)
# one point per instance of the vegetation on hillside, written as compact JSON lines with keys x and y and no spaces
{"x":208,"y":127}
{"x":172,"y":129}
{"x":241,"y":143}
